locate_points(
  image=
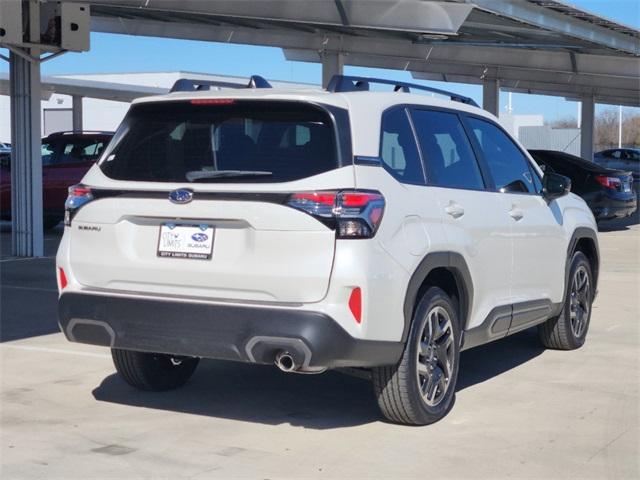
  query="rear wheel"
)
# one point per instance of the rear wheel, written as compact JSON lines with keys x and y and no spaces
{"x":420,"y":389}
{"x":153,"y":371}
{"x":568,"y":330}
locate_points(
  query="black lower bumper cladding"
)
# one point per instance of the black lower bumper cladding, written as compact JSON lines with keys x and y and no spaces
{"x":229,"y":332}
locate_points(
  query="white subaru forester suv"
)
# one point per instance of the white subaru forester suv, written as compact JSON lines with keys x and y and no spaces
{"x":321,"y":229}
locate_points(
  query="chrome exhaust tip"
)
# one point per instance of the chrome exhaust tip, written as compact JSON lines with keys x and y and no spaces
{"x":285,"y":362}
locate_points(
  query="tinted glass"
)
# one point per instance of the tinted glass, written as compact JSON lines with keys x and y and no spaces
{"x":234,"y":142}
{"x":48,"y":153}
{"x":398,"y":149}
{"x":78,"y":150}
{"x":507,"y":164}
{"x":446,"y":150}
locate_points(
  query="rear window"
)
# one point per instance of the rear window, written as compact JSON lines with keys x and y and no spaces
{"x":240,"y":141}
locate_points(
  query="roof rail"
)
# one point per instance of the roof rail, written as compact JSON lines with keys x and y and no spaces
{"x":348,"y":83}
{"x":190,"y":84}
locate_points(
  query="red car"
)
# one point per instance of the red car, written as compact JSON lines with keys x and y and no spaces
{"x":66,"y":157}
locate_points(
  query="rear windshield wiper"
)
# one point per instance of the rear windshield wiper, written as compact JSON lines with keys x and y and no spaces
{"x":195,"y":175}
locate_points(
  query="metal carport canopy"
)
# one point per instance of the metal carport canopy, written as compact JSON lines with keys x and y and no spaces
{"x":534,"y":46}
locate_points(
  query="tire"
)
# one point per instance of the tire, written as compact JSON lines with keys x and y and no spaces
{"x":568,"y":330}
{"x":153,"y":371}
{"x":399,"y":388}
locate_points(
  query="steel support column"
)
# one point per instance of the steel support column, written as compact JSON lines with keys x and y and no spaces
{"x":26,"y":160}
{"x":332,"y":64}
{"x":587,"y":115}
{"x":491,"y":95}
{"x":76,"y":113}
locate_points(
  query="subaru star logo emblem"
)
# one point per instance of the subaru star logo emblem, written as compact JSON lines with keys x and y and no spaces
{"x":182,"y":195}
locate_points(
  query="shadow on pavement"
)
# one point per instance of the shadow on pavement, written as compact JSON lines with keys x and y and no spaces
{"x":619,"y":224}
{"x":28,"y":290}
{"x":488,"y":361}
{"x":263,"y":394}
{"x":28,"y":297}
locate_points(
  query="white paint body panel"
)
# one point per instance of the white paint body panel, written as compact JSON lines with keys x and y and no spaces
{"x":274,"y":256}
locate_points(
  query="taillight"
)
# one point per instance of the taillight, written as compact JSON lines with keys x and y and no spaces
{"x":352,"y":213}
{"x":78,"y":196}
{"x":613,"y":183}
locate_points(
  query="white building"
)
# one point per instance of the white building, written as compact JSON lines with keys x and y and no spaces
{"x":513,"y":123}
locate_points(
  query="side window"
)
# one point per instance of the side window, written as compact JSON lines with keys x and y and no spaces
{"x":48,"y":153}
{"x":398,"y":149}
{"x":507,"y":164}
{"x":617,"y":154}
{"x":446,"y":150}
{"x":81,"y":151}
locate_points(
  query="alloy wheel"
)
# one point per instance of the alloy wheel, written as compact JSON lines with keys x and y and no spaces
{"x":436,"y":354}
{"x":579,"y":301}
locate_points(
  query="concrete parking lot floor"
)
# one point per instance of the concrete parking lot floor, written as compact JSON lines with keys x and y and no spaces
{"x":520,"y":411}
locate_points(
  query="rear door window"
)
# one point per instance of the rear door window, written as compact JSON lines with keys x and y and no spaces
{"x":217,"y":141}
{"x":508,"y":165}
{"x":446,"y":150}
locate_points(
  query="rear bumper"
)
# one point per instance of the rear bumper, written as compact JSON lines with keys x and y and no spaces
{"x":608,"y":212}
{"x":620,"y":207}
{"x":220,"y":331}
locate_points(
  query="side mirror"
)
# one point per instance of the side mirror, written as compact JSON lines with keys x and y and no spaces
{"x":555,"y":186}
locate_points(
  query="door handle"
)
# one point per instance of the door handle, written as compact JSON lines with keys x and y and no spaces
{"x":454,"y":209}
{"x":516,"y":213}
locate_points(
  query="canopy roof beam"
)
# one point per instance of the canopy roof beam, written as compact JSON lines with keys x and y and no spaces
{"x":545,"y":18}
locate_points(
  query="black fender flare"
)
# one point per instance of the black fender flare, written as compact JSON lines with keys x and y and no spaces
{"x":456,"y":264}
{"x":578,"y":234}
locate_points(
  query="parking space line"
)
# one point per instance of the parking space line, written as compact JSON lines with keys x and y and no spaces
{"x":54,"y":350}
{"x":24,"y":259}
{"x":37,"y":289}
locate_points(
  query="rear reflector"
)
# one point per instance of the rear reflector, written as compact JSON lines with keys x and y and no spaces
{"x":355,"y":304}
{"x":63,"y":278}
{"x":613,"y":183}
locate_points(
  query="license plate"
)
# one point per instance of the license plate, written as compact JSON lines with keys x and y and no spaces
{"x":185,"y":241}
{"x":626,"y":187}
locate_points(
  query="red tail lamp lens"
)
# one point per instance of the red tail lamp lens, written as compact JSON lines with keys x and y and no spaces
{"x":322,"y":198}
{"x":355,"y":304}
{"x":63,"y":278}
{"x":79,"y":190}
{"x":352,"y":213}
{"x":608,"y":182}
